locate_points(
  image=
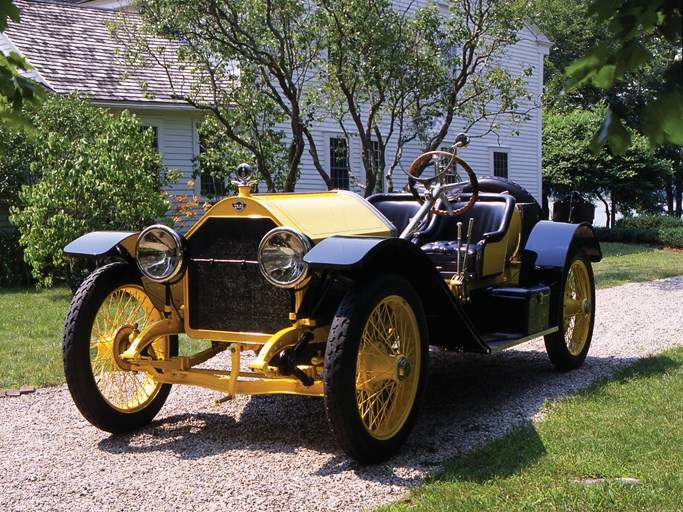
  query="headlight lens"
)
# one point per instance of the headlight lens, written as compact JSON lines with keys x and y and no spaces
{"x":281,"y":257}
{"x":159,"y":252}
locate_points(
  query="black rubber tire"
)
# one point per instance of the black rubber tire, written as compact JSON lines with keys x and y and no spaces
{"x":557,"y":344}
{"x":342,"y":369}
{"x":76,"y":355}
{"x":496,"y":185}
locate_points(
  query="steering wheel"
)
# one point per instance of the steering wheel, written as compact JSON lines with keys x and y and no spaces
{"x":450,"y":160}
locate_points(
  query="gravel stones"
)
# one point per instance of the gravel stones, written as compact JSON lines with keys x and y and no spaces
{"x":276,"y":452}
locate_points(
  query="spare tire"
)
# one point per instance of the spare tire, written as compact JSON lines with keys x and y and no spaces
{"x":497,"y":185}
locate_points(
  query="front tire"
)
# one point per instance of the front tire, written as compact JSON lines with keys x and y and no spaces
{"x":567,"y":348}
{"x":375,"y":368}
{"x":109,"y":304}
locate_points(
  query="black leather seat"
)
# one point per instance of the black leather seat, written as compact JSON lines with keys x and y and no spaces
{"x":397,"y":208}
{"x":491,"y":213}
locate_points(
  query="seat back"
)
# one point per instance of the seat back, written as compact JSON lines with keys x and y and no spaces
{"x":491,"y":214}
{"x":399,"y":209}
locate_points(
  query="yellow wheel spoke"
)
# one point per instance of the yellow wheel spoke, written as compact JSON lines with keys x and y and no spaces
{"x":126,"y":307}
{"x":577,"y":310}
{"x":385,"y":396}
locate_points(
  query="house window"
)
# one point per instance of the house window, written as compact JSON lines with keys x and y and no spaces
{"x":155,"y":134}
{"x":209,"y":185}
{"x":452,"y":175}
{"x":376,"y":155}
{"x":339,"y":163}
{"x":500,"y":164}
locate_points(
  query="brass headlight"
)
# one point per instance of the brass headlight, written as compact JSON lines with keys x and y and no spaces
{"x":160,"y":253}
{"x":281,"y":257}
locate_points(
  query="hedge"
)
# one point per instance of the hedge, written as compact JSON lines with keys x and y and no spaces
{"x":645,"y":229}
{"x":14,"y":271}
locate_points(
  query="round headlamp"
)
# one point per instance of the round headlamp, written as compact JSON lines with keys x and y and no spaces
{"x":159,"y":252}
{"x":281,"y":257}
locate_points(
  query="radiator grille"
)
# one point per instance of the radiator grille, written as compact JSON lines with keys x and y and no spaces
{"x":232,"y":295}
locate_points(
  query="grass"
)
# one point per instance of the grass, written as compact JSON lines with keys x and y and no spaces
{"x":623,"y":263}
{"x":626,"y":427}
{"x":31,"y":323}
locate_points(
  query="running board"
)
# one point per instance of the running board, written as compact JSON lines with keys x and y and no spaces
{"x":499,"y":341}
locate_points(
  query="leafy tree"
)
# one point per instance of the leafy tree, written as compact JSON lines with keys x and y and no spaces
{"x":378,"y":71}
{"x":642,"y":31}
{"x":632,"y":181}
{"x":15,"y":89}
{"x":94,"y":171}
{"x":218,"y":158}
{"x":574,"y":35}
{"x":251,"y":64}
{"x":391,"y":74}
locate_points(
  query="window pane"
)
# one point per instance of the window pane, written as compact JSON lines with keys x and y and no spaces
{"x":155,"y":135}
{"x":209,"y":186}
{"x":500,"y":164}
{"x":452,"y":176}
{"x":339,"y":163}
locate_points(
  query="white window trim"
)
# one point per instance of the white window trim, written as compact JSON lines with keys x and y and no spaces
{"x":155,"y":122}
{"x":498,"y":149}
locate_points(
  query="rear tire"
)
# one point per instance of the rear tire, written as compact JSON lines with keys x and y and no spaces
{"x":109,"y":304}
{"x":567,"y":348}
{"x":376,"y":367}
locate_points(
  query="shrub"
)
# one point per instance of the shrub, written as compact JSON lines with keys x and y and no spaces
{"x":645,"y":229}
{"x":96,"y":171}
{"x":672,"y":237}
{"x":13,"y":269}
{"x":650,"y":222}
{"x":628,"y":235}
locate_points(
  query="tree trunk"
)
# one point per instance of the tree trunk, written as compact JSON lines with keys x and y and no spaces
{"x":669,"y":190}
{"x":607,"y":210}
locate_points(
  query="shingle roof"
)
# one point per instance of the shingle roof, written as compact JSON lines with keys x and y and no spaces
{"x":73,"y":51}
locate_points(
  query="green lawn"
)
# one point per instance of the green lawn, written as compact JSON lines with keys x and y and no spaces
{"x":626,"y":428}
{"x":624,"y":263}
{"x":31,"y":323}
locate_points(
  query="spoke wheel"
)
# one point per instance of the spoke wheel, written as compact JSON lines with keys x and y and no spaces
{"x":124,"y":310}
{"x":375,"y":368}
{"x":568,"y":347}
{"x":109,"y":307}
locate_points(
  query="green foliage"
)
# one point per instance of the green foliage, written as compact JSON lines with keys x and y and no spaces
{"x":387,"y":76}
{"x":219,"y":156}
{"x":672,"y":237}
{"x":13,"y":269}
{"x":253,"y":77}
{"x":628,"y":235}
{"x":652,"y":222}
{"x":631,"y":181}
{"x":96,"y":171}
{"x":641,"y":31}
{"x":573,"y":35}
{"x":15,"y":90}
{"x":645,"y":229}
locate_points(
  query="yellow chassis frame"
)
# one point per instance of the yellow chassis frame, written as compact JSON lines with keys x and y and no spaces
{"x":262,"y":379}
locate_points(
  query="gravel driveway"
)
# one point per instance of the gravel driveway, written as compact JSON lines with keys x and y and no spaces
{"x":276,"y":452}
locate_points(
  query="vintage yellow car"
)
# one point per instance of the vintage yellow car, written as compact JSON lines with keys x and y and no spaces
{"x":329,"y":295}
